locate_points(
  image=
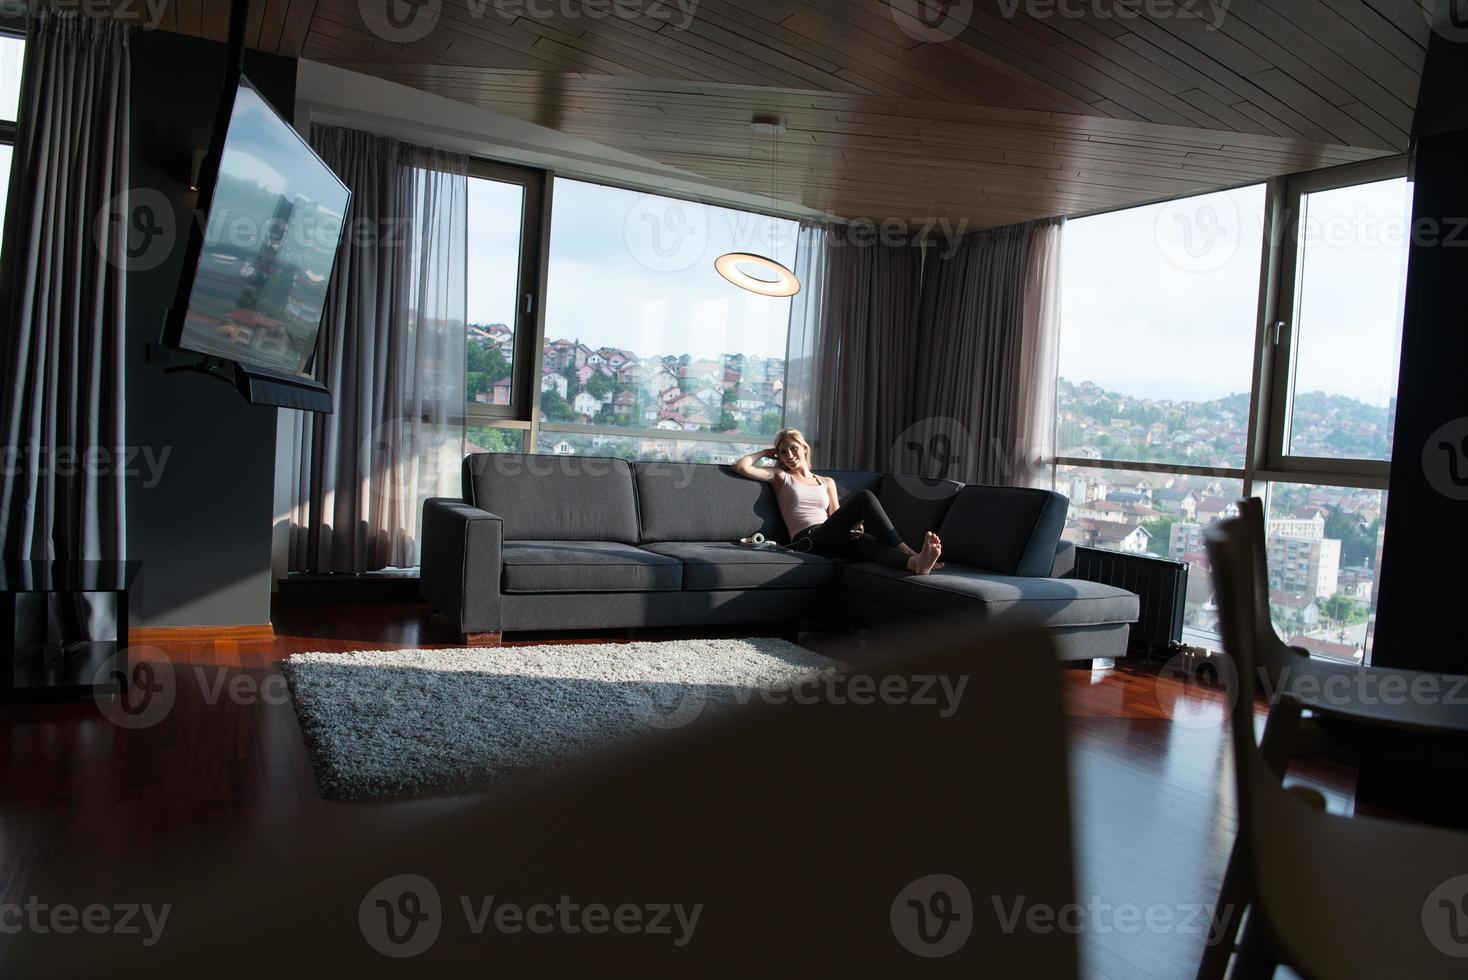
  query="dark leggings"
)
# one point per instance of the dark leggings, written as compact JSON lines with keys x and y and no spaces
{"x":881,"y":542}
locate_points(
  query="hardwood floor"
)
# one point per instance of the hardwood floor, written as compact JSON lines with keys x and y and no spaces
{"x":225,"y":767}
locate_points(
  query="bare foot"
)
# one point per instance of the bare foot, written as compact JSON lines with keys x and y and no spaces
{"x":924,"y":561}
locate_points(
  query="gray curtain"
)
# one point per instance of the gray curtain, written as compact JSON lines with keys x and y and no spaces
{"x":971,"y":394}
{"x":864,"y":371}
{"x":392,"y":352}
{"x":63,"y":295}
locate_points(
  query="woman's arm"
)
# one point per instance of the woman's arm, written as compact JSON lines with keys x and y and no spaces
{"x":833,"y":502}
{"x":748,"y":466}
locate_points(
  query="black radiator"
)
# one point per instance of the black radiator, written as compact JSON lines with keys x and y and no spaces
{"x":1162,"y":586}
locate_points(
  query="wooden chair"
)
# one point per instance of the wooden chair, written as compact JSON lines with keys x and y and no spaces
{"x":1329,"y":896}
{"x":1325,"y":707}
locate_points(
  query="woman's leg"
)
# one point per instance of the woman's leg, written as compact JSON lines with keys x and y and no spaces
{"x":859,"y":508}
{"x":868,"y":548}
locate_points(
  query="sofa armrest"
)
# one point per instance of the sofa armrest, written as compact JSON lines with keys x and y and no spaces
{"x":1065,"y":561}
{"x":459,"y":572}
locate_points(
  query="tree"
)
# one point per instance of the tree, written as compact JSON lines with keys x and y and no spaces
{"x":770,"y":424}
{"x":556,"y":408}
{"x":483,"y":366}
{"x":600,"y":387}
{"x":1358,"y":544}
{"x":1161,"y":530}
{"x":728,"y":423}
{"x":1341,"y":608}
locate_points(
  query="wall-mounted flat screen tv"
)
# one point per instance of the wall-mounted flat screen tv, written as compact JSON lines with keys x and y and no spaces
{"x":256,"y":279}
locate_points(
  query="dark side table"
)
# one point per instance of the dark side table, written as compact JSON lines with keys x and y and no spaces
{"x":63,"y":629}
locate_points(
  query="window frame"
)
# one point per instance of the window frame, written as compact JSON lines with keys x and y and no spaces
{"x":528,"y":326}
{"x":1265,"y":460}
{"x":1277,"y":351}
{"x":535,"y":424}
{"x":523,"y":413}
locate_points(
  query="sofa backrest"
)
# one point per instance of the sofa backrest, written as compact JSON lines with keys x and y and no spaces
{"x":554,"y":498}
{"x":1005,"y":530}
{"x":849,"y":482}
{"x":702,"y":502}
{"x":916,"y":505}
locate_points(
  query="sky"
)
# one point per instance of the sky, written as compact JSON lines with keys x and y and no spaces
{"x":12,"y":58}
{"x":1162,"y":301}
{"x":632,"y":270}
{"x":12,"y":55}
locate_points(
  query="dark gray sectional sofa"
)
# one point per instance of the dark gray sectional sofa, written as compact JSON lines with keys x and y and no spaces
{"x":579,"y":543}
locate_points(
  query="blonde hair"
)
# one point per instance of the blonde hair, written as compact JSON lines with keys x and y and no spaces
{"x":791,"y":435}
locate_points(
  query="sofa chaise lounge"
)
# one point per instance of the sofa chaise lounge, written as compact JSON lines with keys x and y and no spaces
{"x":581,"y":543}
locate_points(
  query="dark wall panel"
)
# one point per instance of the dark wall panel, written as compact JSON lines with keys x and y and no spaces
{"x":200,"y":505}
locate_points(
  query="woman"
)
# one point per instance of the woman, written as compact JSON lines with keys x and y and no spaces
{"x":813,"y":512}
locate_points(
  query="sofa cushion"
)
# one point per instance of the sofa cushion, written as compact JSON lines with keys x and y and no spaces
{"x":587,"y":566}
{"x":554,"y":498}
{"x":915,"y":505}
{"x":714,"y":565}
{"x":1005,"y":530}
{"x":959,"y":589}
{"x":699,"y":502}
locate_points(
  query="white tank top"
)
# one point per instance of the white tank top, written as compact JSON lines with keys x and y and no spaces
{"x":801,"y":504}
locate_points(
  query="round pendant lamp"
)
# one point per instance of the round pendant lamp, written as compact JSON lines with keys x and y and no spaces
{"x":754,"y":273}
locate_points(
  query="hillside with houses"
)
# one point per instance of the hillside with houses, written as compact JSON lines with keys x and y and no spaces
{"x":1095,"y":423}
{"x":734,"y":402}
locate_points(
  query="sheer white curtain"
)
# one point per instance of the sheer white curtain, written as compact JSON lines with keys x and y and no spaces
{"x":392,"y":352}
{"x":803,"y":346}
{"x":1039,"y":365}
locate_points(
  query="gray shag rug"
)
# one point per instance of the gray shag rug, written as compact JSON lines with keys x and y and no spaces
{"x":413,"y":722}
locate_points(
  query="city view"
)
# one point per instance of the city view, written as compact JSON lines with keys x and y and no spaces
{"x":736,"y":402}
{"x":1324,"y":543}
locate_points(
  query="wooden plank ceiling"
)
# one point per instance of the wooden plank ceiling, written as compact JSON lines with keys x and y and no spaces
{"x":1024,"y":112}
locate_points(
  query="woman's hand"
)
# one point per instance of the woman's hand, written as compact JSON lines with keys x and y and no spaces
{"x":859,"y":529}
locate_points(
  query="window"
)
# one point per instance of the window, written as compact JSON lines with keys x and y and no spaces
{"x":12,"y":58}
{"x":1196,"y":368}
{"x":1324,"y":548}
{"x":1341,"y":334}
{"x":503,"y":257}
{"x":649,"y":352}
{"x":1159,"y":307}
